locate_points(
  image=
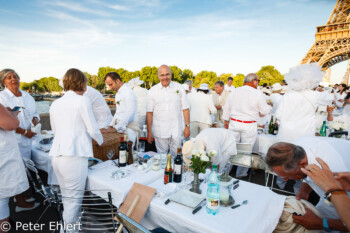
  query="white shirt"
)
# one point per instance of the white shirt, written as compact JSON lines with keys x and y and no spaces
{"x":201,"y":106}
{"x":73,"y":124}
{"x":222,"y":141}
{"x":246,"y":103}
{"x":126,"y":107}
{"x":100,"y":108}
{"x":167,"y":105}
{"x":276,"y":99}
{"x":297,"y":113}
{"x":141,"y":95}
{"x":338,"y":97}
{"x":335,"y":152}
{"x":26,"y":114}
{"x":229,"y":88}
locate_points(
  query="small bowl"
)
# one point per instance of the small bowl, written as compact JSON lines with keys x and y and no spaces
{"x":46,"y":140}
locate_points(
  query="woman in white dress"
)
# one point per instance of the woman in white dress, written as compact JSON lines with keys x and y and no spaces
{"x":74,"y":125}
{"x":13,"y":177}
{"x":340,"y":96}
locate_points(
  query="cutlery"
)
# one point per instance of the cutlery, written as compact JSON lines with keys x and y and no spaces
{"x":245,"y":202}
{"x":201,"y":204}
{"x":235,"y":182}
{"x":235,"y":186}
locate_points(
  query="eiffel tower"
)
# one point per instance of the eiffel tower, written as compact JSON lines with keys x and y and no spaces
{"x":332,"y":41}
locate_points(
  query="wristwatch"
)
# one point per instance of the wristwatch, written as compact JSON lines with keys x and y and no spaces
{"x":187,"y":125}
{"x":325,"y":225}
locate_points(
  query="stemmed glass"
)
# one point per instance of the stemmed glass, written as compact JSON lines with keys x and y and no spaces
{"x":187,"y":175}
{"x":110,"y":155}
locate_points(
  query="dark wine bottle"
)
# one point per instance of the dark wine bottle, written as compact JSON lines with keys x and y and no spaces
{"x":123,"y":148}
{"x":271,"y":126}
{"x":178,"y":166}
{"x":275,"y":128}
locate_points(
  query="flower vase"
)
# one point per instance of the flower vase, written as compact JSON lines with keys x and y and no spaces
{"x":195,"y":184}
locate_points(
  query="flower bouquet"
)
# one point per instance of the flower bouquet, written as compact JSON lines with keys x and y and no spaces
{"x":200,"y":161}
{"x":338,"y":125}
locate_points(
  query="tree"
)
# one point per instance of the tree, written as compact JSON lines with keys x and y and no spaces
{"x":187,"y":74}
{"x":269,"y":75}
{"x":149,"y":75}
{"x":176,"y":74}
{"x":238,"y":80}
{"x":208,"y":77}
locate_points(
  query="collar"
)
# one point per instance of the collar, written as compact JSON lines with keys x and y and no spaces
{"x":249,"y":84}
{"x":169,"y":86}
{"x":11,"y":94}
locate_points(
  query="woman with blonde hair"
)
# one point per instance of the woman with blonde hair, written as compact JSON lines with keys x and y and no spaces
{"x":74,"y":125}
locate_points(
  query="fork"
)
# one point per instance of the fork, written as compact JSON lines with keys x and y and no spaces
{"x":245,"y":202}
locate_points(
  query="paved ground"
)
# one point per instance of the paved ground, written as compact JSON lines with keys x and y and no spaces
{"x":46,"y":217}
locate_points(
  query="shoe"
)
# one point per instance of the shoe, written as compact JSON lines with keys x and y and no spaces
{"x":31,"y":199}
{"x":20,"y":209}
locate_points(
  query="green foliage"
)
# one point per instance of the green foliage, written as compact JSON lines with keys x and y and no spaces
{"x":46,"y":84}
{"x":238,"y":80}
{"x":149,"y":75}
{"x":269,"y":75}
{"x":208,"y":77}
{"x":187,"y":74}
{"x":197,"y":164}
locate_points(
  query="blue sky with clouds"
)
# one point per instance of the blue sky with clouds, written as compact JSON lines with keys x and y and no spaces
{"x":45,"y":38}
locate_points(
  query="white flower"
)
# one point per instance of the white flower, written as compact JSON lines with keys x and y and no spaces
{"x":213,"y":153}
{"x":204,"y":158}
{"x":195,"y":153}
{"x":202,"y":152}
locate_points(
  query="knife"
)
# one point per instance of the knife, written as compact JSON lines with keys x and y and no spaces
{"x":201,"y":204}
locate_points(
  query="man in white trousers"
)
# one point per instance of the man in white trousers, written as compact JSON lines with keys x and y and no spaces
{"x":242,"y":110}
{"x":166,"y":104}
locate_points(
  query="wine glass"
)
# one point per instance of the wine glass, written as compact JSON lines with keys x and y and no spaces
{"x":110,"y":155}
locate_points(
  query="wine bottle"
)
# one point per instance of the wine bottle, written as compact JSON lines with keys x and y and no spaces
{"x":123,"y":148}
{"x":275,"y":128}
{"x":178,"y":166}
{"x":323,"y":129}
{"x":168,"y":173}
{"x":271,"y":126}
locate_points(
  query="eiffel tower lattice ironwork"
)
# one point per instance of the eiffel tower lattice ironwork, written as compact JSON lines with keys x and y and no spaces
{"x":332,"y":41}
{"x":347,"y":74}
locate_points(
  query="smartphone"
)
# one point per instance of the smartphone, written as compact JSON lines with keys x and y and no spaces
{"x":15,"y":109}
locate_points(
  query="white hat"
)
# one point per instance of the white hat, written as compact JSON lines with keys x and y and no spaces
{"x":266,"y":90}
{"x":186,"y":87}
{"x":285,"y":89}
{"x":189,"y":146}
{"x":204,"y":87}
{"x":276,"y":87}
{"x":135,"y":82}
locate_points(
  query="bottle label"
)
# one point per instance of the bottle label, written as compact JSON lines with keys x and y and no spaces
{"x":177,"y":169}
{"x":213,"y":203}
{"x":122,"y":156}
{"x":166,"y":178}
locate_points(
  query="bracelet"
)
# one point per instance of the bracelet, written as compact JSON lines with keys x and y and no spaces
{"x":333,"y":190}
{"x":328,"y":194}
{"x":25,"y":132}
{"x":326,"y":226}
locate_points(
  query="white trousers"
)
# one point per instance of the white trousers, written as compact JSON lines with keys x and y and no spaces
{"x":26,"y":151}
{"x":197,"y":127}
{"x":163,"y":145}
{"x":244,"y":133}
{"x":4,"y":208}
{"x":71,"y":173}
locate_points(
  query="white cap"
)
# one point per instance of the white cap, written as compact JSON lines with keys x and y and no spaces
{"x":204,"y":87}
{"x":186,"y":87}
{"x":276,"y":87}
{"x":285,"y":89}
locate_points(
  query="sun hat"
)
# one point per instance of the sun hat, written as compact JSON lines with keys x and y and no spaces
{"x":276,"y":87}
{"x":186,"y":87}
{"x":204,"y":87}
{"x":189,"y":146}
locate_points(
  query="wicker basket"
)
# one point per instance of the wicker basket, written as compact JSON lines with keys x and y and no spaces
{"x":111,"y":142}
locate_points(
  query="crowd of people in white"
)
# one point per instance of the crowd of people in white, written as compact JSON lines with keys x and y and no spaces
{"x":175,"y":113}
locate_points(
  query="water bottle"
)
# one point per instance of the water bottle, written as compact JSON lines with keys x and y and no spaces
{"x":144,"y":131}
{"x":213,"y":192}
{"x":266,"y":127}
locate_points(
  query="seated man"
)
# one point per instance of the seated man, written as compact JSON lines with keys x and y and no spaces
{"x":221,"y":140}
{"x":287,"y":159}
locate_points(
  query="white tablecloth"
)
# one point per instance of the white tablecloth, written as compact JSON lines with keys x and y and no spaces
{"x":100,"y":180}
{"x":260,"y":215}
{"x":42,"y":160}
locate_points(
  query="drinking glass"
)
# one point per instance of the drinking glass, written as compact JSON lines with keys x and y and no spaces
{"x":142,"y":146}
{"x":110,"y":155}
{"x":163,"y":160}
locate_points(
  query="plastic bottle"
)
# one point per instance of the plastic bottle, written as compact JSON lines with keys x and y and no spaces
{"x":213,"y":192}
{"x":266,"y":127}
{"x":323,"y":129}
{"x":144,"y":131}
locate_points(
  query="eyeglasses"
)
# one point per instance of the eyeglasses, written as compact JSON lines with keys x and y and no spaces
{"x":256,"y":80}
{"x":164,"y":75}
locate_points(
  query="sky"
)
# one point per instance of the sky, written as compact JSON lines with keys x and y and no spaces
{"x":46,"y":38}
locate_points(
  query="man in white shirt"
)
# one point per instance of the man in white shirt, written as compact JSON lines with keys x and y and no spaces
{"x":166,"y":103}
{"x":190,"y":86}
{"x":229,"y":87}
{"x":287,"y":159}
{"x":242,"y":110}
{"x":219,"y":98}
{"x":275,"y":97}
{"x":125,"y":118}
{"x":141,"y":95}
{"x":100,"y":108}
{"x":201,"y":106}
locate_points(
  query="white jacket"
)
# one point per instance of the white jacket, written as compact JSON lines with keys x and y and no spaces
{"x":201,"y":106}
{"x":73,"y":124}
